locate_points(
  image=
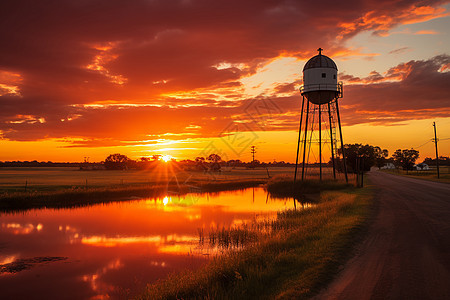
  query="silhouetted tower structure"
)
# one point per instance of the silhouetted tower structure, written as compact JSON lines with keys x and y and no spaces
{"x":321,"y":90}
{"x":253,"y":151}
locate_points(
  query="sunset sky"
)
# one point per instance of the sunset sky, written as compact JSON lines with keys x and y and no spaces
{"x":187,"y":78}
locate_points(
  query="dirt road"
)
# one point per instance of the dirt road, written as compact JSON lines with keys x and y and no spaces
{"x":406,"y":254}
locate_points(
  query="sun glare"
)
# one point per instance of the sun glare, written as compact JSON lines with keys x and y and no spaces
{"x":166,"y":158}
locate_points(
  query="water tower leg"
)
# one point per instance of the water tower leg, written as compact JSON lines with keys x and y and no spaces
{"x":298,"y":143}
{"x":304,"y":140}
{"x":331,"y":141}
{"x":342,"y":141}
{"x":320,"y":142}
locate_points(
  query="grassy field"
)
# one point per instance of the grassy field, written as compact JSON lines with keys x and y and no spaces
{"x":51,"y":179}
{"x":444,"y":172}
{"x":300,"y":256}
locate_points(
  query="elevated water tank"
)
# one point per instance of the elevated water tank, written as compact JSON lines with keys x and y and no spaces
{"x":320,"y":83}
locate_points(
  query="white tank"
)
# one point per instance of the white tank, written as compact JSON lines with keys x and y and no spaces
{"x":320,"y":83}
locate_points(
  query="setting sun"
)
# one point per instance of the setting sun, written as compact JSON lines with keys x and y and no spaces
{"x":166,"y":158}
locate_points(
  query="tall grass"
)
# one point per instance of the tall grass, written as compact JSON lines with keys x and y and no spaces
{"x":301,"y":254}
{"x":283,"y":187}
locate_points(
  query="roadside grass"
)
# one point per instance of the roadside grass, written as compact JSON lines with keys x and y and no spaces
{"x":301,"y":255}
{"x":431,"y":175}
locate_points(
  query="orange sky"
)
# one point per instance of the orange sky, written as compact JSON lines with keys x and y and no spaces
{"x":193,"y":77}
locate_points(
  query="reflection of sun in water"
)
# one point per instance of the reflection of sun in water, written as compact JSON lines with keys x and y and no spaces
{"x":166,"y":158}
{"x":166,"y":200}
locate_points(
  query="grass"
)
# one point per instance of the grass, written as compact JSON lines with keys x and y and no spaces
{"x":444,"y":172}
{"x":281,"y":187}
{"x":300,"y":255}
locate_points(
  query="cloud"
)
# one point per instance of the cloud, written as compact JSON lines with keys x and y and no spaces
{"x":426,"y":32}
{"x":413,"y":90}
{"x":90,"y":70}
{"x":400,"y":50}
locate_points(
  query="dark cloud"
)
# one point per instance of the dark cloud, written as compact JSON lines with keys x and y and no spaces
{"x":421,"y":92}
{"x":63,"y":54}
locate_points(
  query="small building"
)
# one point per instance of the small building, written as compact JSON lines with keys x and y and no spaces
{"x":388,"y":166}
{"x":421,"y":167}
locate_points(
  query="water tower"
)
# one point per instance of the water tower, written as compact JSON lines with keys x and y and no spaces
{"x":321,"y":90}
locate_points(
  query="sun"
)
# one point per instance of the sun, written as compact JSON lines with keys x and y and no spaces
{"x":166,"y":158}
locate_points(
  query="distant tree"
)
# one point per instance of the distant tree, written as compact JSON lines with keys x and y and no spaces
{"x":443,"y":161}
{"x":156,"y":157}
{"x":214,"y":158}
{"x":405,"y":158}
{"x":199,"y":159}
{"x":116,"y":161}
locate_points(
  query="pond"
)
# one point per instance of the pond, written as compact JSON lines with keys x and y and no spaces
{"x":113,"y":250}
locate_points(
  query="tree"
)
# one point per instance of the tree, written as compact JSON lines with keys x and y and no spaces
{"x":381,"y":156}
{"x":156,"y":157}
{"x":443,"y":161}
{"x":215,"y":162}
{"x":405,"y":158}
{"x":116,"y":161}
{"x":370,"y":156}
{"x":214,"y":158}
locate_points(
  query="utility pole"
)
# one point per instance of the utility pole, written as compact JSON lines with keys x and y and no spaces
{"x":253,"y":150}
{"x":435,"y":145}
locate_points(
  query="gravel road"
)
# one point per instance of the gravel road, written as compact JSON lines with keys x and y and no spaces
{"x":406,"y":254}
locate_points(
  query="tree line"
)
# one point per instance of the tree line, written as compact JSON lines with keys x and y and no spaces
{"x":367,"y":155}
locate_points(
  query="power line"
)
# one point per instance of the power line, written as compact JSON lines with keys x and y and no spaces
{"x":422,"y":144}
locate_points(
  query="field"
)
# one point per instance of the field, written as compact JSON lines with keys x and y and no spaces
{"x":444,"y":172}
{"x":50,"y":179}
{"x":53,"y":179}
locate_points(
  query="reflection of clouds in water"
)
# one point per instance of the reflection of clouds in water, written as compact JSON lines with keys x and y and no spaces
{"x":165,"y":244}
{"x":101,"y":288}
{"x":17,"y":228}
{"x":158,"y":264}
{"x":67,"y":228}
{"x":8,"y":259}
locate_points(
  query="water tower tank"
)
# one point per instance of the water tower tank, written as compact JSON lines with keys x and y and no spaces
{"x":320,"y":83}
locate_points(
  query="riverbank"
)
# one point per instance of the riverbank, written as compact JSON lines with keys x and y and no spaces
{"x":79,"y":196}
{"x":299,"y":257}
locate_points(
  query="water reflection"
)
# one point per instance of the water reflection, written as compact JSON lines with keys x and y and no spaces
{"x":113,"y":250}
